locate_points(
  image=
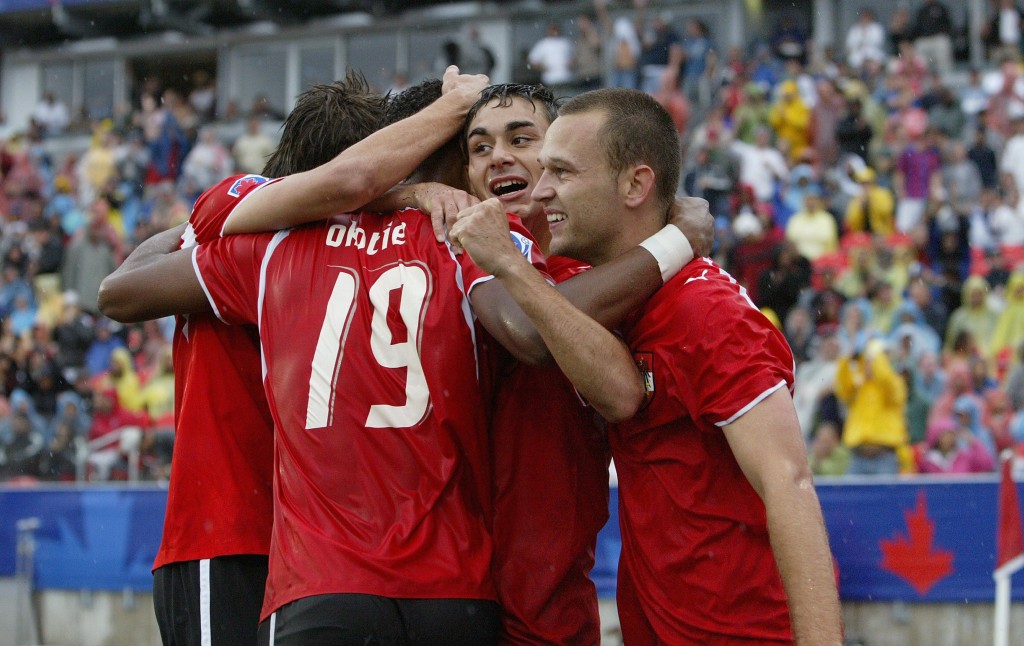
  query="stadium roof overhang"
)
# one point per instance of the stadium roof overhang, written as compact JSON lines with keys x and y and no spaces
{"x":45,"y":23}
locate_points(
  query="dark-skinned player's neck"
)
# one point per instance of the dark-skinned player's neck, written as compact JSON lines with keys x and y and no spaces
{"x":537,"y":224}
{"x":444,"y":166}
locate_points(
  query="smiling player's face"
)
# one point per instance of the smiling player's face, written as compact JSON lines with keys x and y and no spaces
{"x":504,"y":145}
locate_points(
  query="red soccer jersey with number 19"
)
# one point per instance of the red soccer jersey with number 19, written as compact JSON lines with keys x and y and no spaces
{"x":219,"y":499}
{"x":696,"y":564}
{"x":372,"y":378}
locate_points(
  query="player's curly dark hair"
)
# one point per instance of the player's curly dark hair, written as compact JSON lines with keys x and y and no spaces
{"x":326,"y":119}
{"x":410,"y":101}
{"x":503,"y":93}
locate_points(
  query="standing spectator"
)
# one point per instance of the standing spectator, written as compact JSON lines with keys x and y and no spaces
{"x":875,"y":396}
{"x":932,"y":29}
{"x":51,"y":115}
{"x":552,"y":56}
{"x":825,"y":118}
{"x":1012,"y":160}
{"x":982,"y":156}
{"x":853,"y":131}
{"x":917,"y":174}
{"x":815,"y":380}
{"x":761,"y":165}
{"x":623,"y":46}
{"x":696,"y":46}
{"x":89,"y":259}
{"x":203,"y":96}
{"x":587,"y":54}
{"x":961,"y":178}
{"x":789,"y":40}
{"x":973,"y":99}
{"x":467,"y":51}
{"x":900,"y":30}
{"x":253,"y":148}
{"x":661,"y":53}
{"x":865,"y":40}
{"x":1002,"y":33}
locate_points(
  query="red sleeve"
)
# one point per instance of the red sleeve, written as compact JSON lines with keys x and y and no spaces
{"x":733,"y":356}
{"x":524,"y":243}
{"x":230,"y":270}
{"x":206,"y":222}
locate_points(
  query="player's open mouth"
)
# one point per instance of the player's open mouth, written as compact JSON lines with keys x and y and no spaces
{"x":509,"y":186}
{"x":554,"y":216}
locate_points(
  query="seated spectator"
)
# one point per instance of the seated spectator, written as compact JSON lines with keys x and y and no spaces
{"x":108,"y":420}
{"x":996,"y":417}
{"x":813,"y":230}
{"x":59,"y":459}
{"x":975,"y":315}
{"x":51,"y":115}
{"x":19,"y":455}
{"x":961,"y":178}
{"x":1009,"y":325}
{"x":779,"y":287}
{"x":1015,"y":381}
{"x":815,"y":378}
{"x":828,"y":456}
{"x":952,"y":449}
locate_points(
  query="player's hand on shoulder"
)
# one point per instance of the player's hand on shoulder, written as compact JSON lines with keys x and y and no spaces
{"x":464,"y":86}
{"x":482,"y":230}
{"x":692,"y":216}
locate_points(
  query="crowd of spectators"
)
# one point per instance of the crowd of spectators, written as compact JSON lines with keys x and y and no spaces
{"x":868,"y":196}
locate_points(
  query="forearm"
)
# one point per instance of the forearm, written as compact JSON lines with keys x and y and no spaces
{"x":163,"y":286}
{"x":152,"y":248}
{"x":356,"y":176}
{"x":800,"y":543}
{"x":597,"y":363}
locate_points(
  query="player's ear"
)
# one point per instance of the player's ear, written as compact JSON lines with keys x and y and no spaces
{"x":637,"y":184}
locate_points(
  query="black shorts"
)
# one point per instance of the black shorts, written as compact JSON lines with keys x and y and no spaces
{"x":213,"y":602}
{"x":370,"y":620}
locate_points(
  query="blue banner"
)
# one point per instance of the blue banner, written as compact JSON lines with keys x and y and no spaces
{"x":919,"y":540}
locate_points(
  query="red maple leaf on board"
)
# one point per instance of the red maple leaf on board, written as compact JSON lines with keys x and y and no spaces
{"x":912,"y":556}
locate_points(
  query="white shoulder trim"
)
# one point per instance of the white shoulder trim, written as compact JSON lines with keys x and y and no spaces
{"x":757,"y":400}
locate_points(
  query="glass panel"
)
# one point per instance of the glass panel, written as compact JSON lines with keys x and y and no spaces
{"x":374,"y":55}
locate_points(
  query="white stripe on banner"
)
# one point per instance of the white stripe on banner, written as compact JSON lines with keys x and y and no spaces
{"x":205,"y":635}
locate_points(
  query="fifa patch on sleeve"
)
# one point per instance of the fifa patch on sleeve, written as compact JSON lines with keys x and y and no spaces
{"x":242,"y":184}
{"x":522,"y":243}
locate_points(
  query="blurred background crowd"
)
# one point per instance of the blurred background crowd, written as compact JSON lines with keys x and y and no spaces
{"x":868,"y":195}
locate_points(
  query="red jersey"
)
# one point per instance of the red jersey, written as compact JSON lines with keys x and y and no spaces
{"x":371,"y":374}
{"x":219,"y":499}
{"x":696,"y":563}
{"x":550,"y":461}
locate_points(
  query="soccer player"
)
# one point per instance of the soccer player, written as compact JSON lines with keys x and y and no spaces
{"x":551,"y":465}
{"x":723,"y":539}
{"x":211,"y":567}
